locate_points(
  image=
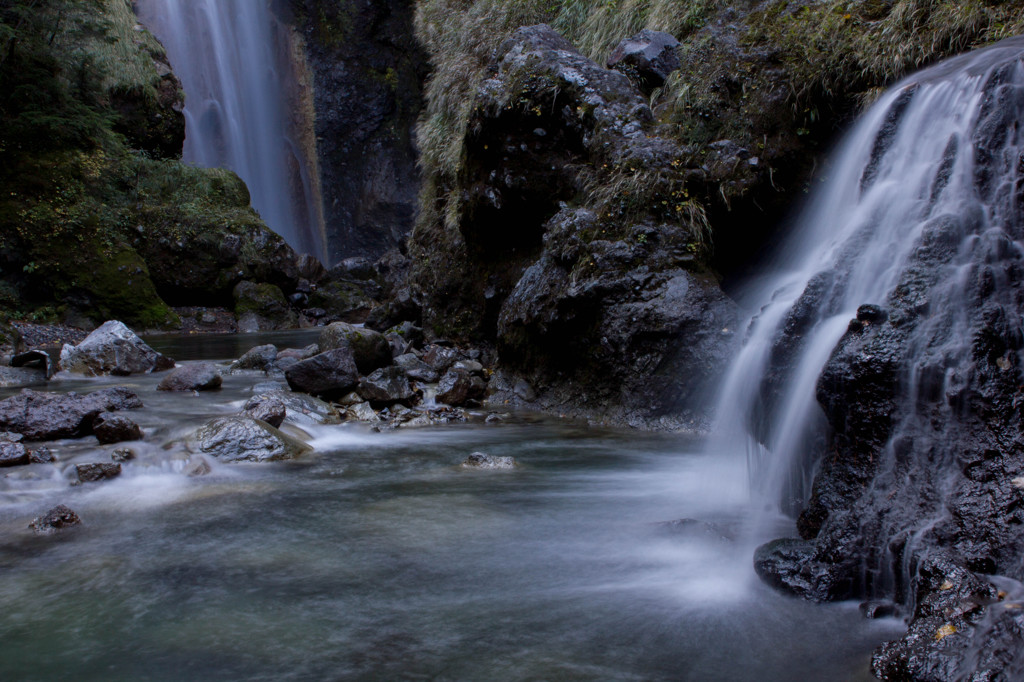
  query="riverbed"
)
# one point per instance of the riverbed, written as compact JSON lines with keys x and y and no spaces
{"x":379,"y":557}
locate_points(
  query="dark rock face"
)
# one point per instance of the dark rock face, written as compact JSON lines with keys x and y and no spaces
{"x":387,"y":385}
{"x":115,"y":428}
{"x":115,"y":349}
{"x":158,"y":127}
{"x":202,"y":376}
{"x":98,"y":471}
{"x":328,"y":374}
{"x":368,"y":72}
{"x":646,"y":58}
{"x":58,"y":518}
{"x":49,"y":416}
{"x":369,"y":348}
{"x":242,"y":438}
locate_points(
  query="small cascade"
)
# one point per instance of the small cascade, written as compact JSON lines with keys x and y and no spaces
{"x":916,"y":231}
{"x":234,"y":60}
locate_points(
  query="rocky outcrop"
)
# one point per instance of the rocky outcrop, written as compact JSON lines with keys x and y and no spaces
{"x":367,"y":72}
{"x":114,"y":349}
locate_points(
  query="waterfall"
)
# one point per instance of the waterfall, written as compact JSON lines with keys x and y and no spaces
{"x":923,"y":195}
{"x":233,"y":59}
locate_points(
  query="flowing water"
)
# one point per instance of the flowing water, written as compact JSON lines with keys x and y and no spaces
{"x":378,"y":557}
{"x":920,"y":193}
{"x":233,"y":60}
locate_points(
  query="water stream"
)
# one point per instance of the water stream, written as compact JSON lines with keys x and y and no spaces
{"x":234,"y":62}
{"x":379,"y":557}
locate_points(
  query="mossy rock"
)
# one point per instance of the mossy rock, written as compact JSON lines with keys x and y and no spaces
{"x":346,"y":301}
{"x":263,"y":307}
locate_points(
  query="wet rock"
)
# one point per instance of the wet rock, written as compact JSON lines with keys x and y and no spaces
{"x":457,"y":387}
{"x":792,"y":566}
{"x":332,"y":373}
{"x":203,"y":376}
{"x":362,"y":412}
{"x":41,"y":455}
{"x":439,"y":358}
{"x":481,"y":460}
{"x":115,"y":428}
{"x":13,"y":377}
{"x":260,"y":358}
{"x":410,"y":333}
{"x":369,"y":348}
{"x":877,"y":608}
{"x":386,"y":385}
{"x":301,"y":408}
{"x":50,"y":416}
{"x":416,"y":369}
{"x":97,"y":471}
{"x":299,"y":353}
{"x":114,"y":349}
{"x":399,"y":346}
{"x":262,"y":307}
{"x":402,"y":307}
{"x":242,"y":438}
{"x":35,"y":359}
{"x":646,"y":58}
{"x":57,"y":519}
{"x":310,"y":268}
{"x":197,"y":465}
{"x":122,"y":455}
{"x":471,"y":366}
{"x":12,"y":454}
{"x":266,"y":408}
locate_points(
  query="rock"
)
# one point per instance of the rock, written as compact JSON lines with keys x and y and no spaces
{"x":399,"y":346}
{"x":41,"y":455}
{"x":122,"y":455}
{"x":402,"y":307}
{"x":439,"y":358}
{"x":12,"y":454}
{"x":242,"y":438}
{"x":386,"y":386}
{"x":197,"y":465}
{"x":58,"y":518}
{"x":481,"y":460}
{"x":38,"y":359}
{"x":416,"y":369}
{"x":13,"y":377}
{"x":266,"y":408}
{"x":362,"y":412}
{"x":260,"y":357}
{"x":369,"y":348}
{"x":647,"y":58}
{"x":300,"y":353}
{"x":791,"y":565}
{"x":115,"y":428}
{"x":310,"y":268}
{"x":262,"y":307}
{"x":10,"y":437}
{"x":49,"y":416}
{"x":332,"y":373}
{"x":303,"y":409}
{"x":97,"y":471}
{"x":409,"y":332}
{"x":203,"y":376}
{"x":114,"y":349}
{"x":471,"y":366}
{"x":457,"y":387}
{"x":877,"y":608}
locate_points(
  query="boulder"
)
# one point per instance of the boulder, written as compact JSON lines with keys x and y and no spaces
{"x":49,"y":416}
{"x":260,"y":357}
{"x":362,"y":412}
{"x":203,"y":376}
{"x":386,"y":385}
{"x":299,"y":353}
{"x":12,"y":454}
{"x":457,"y":387}
{"x":481,"y":460}
{"x":114,"y":349}
{"x":115,"y":428}
{"x":440,"y":358}
{"x":646,"y":58}
{"x":97,"y":471}
{"x":369,"y":348}
{"x":58,"y":518}
{"x":416,"y":369}
{"x":242,"y":438}
{"x":301,"y":408}
{"x":262,"y":307}
{"x":266,"y":408}
{"x":122,"y":455}
{"x":332,"y":373}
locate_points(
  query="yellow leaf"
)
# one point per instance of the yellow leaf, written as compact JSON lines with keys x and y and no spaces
{"x":945,"y":631}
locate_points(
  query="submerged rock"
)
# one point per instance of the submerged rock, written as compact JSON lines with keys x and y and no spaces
{"x":97,"y":471}
{"x":114,"y":349}
{"x":481,"y":460}
{"x":115,"y":428}
{"x":242,"y":438}
{"x":58,"y":518}
{"x":204,"y":376}
{"x":49,"y":416}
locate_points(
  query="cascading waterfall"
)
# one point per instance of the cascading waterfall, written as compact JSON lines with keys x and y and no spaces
{"x":924,"y":192}
{"x":230,"y":56}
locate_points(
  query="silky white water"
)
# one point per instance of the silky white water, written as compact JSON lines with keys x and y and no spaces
{"x":232,"y":60}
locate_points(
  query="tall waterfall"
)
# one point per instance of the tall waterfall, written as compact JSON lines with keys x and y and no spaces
{"x":232,"y":57}
{"x":924,"y":194}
